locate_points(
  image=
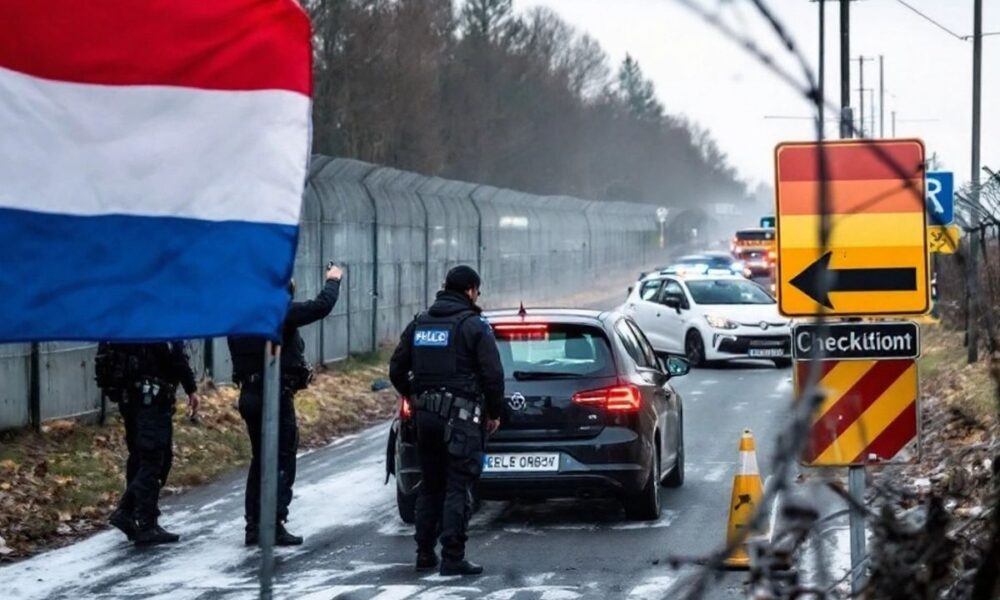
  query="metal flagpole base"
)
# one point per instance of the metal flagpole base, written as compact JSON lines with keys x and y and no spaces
{"x":269,"y":468}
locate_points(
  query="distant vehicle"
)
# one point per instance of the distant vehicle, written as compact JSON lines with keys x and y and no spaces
{"x":707,"y":262}
{"x":756,"y":248}
{"x":589,"y":411}
{"x":710,"y":318}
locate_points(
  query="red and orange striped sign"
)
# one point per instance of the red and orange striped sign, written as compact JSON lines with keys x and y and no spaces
{"x":877,"y":249}
{"x":869,"y":413}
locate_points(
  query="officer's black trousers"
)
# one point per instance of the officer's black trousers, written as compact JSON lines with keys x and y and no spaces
{"x":149,"y":438}
{"x":251,"y":409}
{"x":448,"y":472}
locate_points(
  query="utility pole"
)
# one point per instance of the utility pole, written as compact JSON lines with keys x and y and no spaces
{"x":822,"y":65}
{"x":972,"y":275}
{"x":881,"y":96}
{"x":846,"y":118}
{"x":861,"y":96}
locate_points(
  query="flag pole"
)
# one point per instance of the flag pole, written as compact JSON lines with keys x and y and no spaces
{"x":269,"y":468}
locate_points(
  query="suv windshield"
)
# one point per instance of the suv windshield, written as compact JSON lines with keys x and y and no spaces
{"x":554,"y":350}
{"x":755,"y":235}
{"x":728,"y":291}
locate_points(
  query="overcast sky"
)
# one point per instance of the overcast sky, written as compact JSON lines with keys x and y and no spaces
{"x":701,"y":74}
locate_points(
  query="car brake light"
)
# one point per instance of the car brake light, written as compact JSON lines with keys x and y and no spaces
{"x":619,"y":398}
{"x":405,"y":410}
{"x":536,"y":331}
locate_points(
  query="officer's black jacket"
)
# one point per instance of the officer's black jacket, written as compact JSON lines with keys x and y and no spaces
{"x":477,"y":352}
{"x":163,"y":360}
{"x":248,"y":353}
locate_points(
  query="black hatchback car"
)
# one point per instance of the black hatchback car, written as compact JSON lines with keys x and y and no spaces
{"x":589,"y":412}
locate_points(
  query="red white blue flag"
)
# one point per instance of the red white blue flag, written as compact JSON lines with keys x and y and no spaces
{"x":152,"y":159}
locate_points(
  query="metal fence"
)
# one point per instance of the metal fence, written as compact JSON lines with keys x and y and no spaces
{"x":396,"y":235}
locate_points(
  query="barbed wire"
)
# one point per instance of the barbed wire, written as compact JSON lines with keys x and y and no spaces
{"x":792,"y":441}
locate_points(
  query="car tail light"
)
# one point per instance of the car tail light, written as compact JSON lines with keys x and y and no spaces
{"x":405,"y":409}
{"x":619,"y":398}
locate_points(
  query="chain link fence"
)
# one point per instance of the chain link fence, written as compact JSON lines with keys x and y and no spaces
{"x":396,"y":234}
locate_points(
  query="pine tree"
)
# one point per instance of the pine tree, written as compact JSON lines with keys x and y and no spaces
{"x":637,"y":92}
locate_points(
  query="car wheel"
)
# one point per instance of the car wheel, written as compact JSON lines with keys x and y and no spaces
{"x":407,"y":505}
{"x":676,"y":476}
{"x":782,"y":363}
{"x":645,"y":506}
{"x":694,"y":349}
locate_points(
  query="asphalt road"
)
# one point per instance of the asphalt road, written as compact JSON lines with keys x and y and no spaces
{"x":356,"y":547}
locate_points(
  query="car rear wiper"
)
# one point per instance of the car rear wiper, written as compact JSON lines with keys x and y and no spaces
{"x":523,"y":375}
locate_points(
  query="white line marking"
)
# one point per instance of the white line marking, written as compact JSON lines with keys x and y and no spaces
{"x":653,"y":588}
{"x":717,"y":472}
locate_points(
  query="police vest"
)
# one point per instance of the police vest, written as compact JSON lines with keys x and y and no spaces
{"x":435,"y":358}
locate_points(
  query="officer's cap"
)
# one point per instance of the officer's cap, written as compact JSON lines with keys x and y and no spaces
{"x":461,"y":278}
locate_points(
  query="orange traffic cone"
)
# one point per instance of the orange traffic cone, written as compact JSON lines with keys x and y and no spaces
{"x":748,"y":489}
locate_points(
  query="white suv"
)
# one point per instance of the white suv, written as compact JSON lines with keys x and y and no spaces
{"x":710,"y":317}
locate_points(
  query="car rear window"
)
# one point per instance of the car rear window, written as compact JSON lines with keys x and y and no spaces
{"x":558,"y":348}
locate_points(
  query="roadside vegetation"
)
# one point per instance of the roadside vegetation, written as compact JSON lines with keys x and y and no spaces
{"x":60,"y":484}
{"x":932,"y":534}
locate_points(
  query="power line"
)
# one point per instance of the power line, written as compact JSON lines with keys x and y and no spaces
{"x":964,"y":38}
{"x":942,"y":27}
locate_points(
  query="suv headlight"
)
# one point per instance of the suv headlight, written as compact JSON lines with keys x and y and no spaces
{"x":721,"y":322}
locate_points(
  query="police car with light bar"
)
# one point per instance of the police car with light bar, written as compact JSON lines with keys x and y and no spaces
{"x":589,"y":411}
{"x":708,"y":317}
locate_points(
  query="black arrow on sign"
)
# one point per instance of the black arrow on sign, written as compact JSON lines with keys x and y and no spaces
{"x":818,"y":279}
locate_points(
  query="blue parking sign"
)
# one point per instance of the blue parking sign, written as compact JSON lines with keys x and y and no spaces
{"x":940,"y":196}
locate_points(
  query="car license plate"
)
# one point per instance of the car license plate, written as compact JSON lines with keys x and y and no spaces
{"x":765,"y":352}
{"x":521,"y":463}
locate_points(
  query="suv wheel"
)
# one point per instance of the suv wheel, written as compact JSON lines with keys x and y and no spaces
{"x":645,"y":506}
{"x":407,"y":505}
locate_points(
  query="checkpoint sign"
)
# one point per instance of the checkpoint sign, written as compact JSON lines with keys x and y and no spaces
{"x":869,"y":413}
{"x":875,"y":262}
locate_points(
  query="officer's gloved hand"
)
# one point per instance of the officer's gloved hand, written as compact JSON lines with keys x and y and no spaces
{"x":193,"y":402}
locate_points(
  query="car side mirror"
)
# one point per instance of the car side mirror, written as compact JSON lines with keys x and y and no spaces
{"x":673,"y":302}
{"x":675,"y":366}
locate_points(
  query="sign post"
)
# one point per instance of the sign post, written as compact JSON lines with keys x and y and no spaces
{"x":661,"y":217}
{"x":874,"y":263}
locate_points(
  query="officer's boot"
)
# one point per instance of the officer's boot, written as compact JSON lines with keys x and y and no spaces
{"x":426,"y":559}
{"x":253,"y":535}
{"x":462,"y":567}
{"x":283,"y":538}
{"x":123,"y":521}
{"x":151,"y":534}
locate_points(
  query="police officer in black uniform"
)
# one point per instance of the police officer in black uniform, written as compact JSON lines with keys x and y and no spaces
{"x":248,"y":372}
{"x":142,"y":379}
{"x":448,"y":364}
